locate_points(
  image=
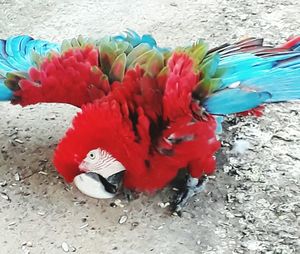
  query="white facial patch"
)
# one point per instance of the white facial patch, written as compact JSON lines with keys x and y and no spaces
{"x":101,"y":162}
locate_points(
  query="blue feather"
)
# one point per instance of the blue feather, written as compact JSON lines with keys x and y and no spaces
{"x":135,"y":39}
{"x":3,"y":53}
{"x":147,"y":38}
{"x":16,"y":55}
{"x":219,"y":121}
{"x":231,"y":101}
{"x":210,"y":65}
{"x":5,"y":93}
{"x":249,"y":80}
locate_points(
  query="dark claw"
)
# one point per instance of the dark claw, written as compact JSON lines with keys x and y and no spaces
{"x":129,"y":195}
{"x":193,"y":187}
{"x":181,"y":200}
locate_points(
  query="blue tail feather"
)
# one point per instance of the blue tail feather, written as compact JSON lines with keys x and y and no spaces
{"x":249,"y":80}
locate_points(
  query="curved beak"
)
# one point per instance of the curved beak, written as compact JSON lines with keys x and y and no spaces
{"x":97,"y":186}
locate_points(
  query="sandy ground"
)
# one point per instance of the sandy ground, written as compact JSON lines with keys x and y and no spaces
{"x":251,"y":206}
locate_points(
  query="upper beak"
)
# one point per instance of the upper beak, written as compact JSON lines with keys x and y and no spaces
{"x":97,"y":186}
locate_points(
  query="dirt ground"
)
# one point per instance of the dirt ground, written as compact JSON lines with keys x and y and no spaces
{"x":252,"y":205}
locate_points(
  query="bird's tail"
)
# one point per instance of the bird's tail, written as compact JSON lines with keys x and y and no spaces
{"x":253,"y":74}
{"x":16,"y":56}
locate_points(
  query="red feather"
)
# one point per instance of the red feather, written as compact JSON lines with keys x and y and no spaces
{"x":73,"y":77}
{"x":258,"y":111}
{"x":147,"y":124}
{"x":292,"y":41}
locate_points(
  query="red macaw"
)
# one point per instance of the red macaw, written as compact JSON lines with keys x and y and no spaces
{"x":147,"y":112}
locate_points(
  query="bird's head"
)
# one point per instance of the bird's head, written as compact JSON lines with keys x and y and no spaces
{"x":101,"y":175}
{"x":94,"y":152}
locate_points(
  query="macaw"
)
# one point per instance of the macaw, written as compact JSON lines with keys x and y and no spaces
{"x":146,"y":112}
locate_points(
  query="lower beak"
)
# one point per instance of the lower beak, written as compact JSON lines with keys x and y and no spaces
{"x":96,"y":186}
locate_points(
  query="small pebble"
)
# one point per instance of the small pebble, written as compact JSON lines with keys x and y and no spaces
{"x":12,"y":223}
{"x":17,"y":177}
{"x":113,"y":204}
{"x":3,"y":184}
{"x":240,"y":146}
{"x":5,"y":196}
{"x":51,"y":117}
{"x":43,"y":173}
{"x":123,"y":219}
{"x":65,"y":247}
{"x":118,"y":202}
{"x":25,"y":251}
{"x":29,"y":244}
{"x":84,"y":226}
{"x":41,"y":213}
{"x":19,"y":141}
{"x":134,"y":224}
{"x":163,"y":205}
{"x":72,"y":249}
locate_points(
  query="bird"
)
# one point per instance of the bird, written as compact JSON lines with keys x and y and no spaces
{"x":147,"y":112}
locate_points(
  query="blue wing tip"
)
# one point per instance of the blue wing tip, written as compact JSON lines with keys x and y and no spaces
{"x":134,"y":38}
{"x":5,"y":93}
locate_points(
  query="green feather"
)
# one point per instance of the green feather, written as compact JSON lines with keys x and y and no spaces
{"x":198,"y":51}
{"x":37,"y":59}
{"x":142,"y":59}
{"x":81,"y":40}
{"x":17,"y":74}
{"x":65,"y":45}
{"x":207,"y":86}
{"x":78,"y":42}
{"x":105,"y":40}
{"x":90,"y":41}
{"x":220,"y":72}
{"x":12,"y":84}
{"x":75,"y":43}
{"x":154,"y":65}
{"x":136,"y":52}
{"x":107,"y":57}
{"x":13,"y":78}
{"x":163,"y":72}
{"x":123,"y":47}
{"x":118,"y":68}
{"x":210,"y":65}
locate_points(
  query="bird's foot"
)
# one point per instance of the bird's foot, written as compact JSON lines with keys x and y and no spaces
{"x":129,"y":195}
{"x":193,"y":187}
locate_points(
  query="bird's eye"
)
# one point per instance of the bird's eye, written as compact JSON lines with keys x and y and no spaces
{"x":92,"y":155}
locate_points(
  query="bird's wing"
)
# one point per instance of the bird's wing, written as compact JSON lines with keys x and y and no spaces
{"x":77,"y":71}
{"x":248,"y":74}
{"x":17,"y":55}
